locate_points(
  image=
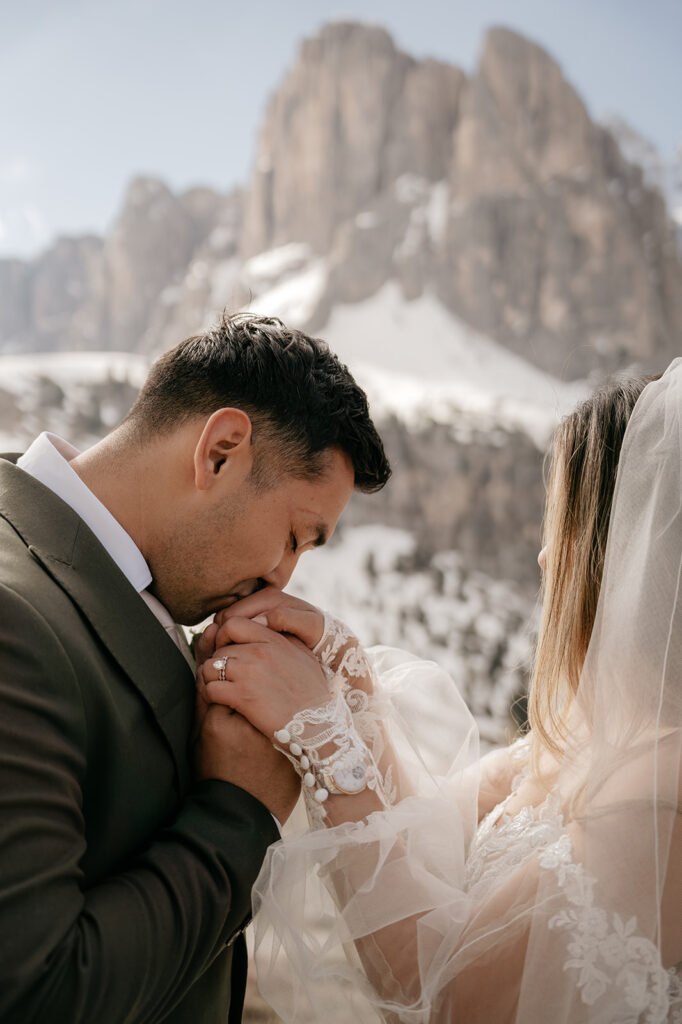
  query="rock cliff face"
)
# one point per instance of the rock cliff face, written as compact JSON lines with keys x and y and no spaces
{"x":483,"y":497}
{"x":356,"y":114}
{"x":496,"y":192}
{"x":46,"y":304}
{"x":121,"y":292}
{"x":557,"y":246}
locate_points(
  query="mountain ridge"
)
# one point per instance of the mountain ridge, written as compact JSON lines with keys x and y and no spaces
{"x":493,"y":191}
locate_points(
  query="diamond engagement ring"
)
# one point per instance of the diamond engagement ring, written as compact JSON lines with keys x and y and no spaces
{"x":220,"y":664}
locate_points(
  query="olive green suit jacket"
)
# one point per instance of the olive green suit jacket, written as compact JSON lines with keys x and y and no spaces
{"x":124,"y":888}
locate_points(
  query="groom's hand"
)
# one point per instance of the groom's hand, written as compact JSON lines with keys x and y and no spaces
{"x":229,"y":749}
{"x":279,"y":611}
{"x":204,"y":644}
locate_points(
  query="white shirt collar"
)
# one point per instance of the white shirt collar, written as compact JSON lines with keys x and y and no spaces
{"x":47,"y":460}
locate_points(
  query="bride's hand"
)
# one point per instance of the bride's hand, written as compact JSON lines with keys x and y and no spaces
{"x":340,"y":652}
{"x":268,"y":678}
{"x":279,"y":611}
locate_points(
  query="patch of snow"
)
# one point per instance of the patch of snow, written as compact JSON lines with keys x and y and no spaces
{"x":65,"y":367}
{"x":221,"y":236}
{"x":272,"y":264}
{"x":409,"y":188}
{"x":640,"y":151}
{"x":295,"y":298}
{"x":418,"y":361}
{"x":429,"y":217}
{"x":437,"y":210}
{"x":414,"y":235}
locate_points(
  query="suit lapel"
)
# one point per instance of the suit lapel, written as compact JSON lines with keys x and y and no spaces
{"x":70,"y":553}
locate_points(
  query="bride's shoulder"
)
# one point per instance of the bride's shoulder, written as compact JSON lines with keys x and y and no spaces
{"x":499,"y":769}
{"x":654,"y":758}
{"x":511,"y":759}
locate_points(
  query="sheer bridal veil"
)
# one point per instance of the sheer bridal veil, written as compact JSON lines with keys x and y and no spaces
{"x":568,"y":910}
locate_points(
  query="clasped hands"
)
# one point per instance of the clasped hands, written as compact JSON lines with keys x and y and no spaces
{"x":270,"y":674}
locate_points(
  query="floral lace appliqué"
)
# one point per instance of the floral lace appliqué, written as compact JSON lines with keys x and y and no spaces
{"x":349,"y":674}
{"x":343,"y":737}
{"x":503,"y":842}
{"x":608,"y":954}
{"x":339,"y":651}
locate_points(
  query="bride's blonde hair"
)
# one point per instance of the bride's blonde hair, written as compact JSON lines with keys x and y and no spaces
{"x":583,"y":462}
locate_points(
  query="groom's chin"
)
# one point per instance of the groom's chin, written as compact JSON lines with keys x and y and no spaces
{"x":189,"y":610}
{"x":184,"y":611}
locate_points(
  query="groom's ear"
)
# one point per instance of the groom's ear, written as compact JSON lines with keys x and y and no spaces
{"x":223,"y":449}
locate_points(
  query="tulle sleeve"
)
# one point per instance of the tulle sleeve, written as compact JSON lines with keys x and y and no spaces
{"x":367,"y":912}
{"x":418,"y":914}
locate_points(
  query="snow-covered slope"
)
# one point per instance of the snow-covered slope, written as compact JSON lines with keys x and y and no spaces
{"x":416,"y":359}
{"x":79,"y":395}
{"x":420,"y":362}
{"x":480,"y":630}
{"x":65,"y":368}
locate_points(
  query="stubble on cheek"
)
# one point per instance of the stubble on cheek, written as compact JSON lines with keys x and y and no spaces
{"x":180,"y":576}
{"x":196,"y":566}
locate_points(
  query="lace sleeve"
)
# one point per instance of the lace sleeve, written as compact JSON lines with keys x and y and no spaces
{"x":333,"y":759}
{"x":352,"y":673}
{"x":342,"y":656}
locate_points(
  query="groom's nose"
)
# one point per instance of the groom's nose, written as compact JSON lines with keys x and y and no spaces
{"x":281,"y":574}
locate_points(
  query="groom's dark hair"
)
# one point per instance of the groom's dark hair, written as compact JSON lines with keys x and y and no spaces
{"x":300,"y":398}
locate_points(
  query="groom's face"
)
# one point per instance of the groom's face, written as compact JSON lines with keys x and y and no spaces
{"x":254,"y":537}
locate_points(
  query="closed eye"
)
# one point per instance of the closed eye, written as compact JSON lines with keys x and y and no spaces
{"x":293,"y":542}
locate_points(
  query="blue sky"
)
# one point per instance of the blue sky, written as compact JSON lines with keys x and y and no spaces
{"x":95,"y":91}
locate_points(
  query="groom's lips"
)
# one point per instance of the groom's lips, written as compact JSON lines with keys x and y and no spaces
{"x":238,"y":595}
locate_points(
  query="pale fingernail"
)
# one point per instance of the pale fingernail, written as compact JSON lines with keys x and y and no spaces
{"x":263,"y":619}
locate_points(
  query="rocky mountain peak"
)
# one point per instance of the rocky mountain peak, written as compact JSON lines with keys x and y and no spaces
{"x":351,"y":116}
{"x":338,"y":39}
{"x":522,"y":121}
{"x":494,"y":193}
{"x":144,"y":189}
{"x":150,"y":243}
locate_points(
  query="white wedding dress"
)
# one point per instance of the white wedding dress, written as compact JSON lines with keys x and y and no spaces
{"x":605,"y":956}
{"x":564,"y":904}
